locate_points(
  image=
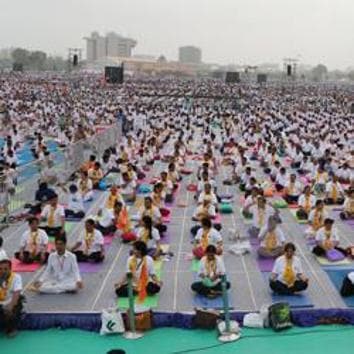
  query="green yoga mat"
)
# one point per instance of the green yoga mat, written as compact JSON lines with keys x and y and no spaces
{"x":325,"y":262}
{"x":293,"y":212}
{"x":195,"y":265}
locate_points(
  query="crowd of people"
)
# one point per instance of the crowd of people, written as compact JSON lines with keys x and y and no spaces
{"x":293,"y":142}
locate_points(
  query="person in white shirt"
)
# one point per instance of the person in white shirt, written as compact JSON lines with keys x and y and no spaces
{"x":316,"y":218}
{"x":287,"y":276}
{"x":128,"y":188}
{"x":207,"y":235}
{"x":90,"y":244}
{"x":327,"y":239}
{"x":34,"y":244}
{"x":11,"y":299}
{"x":54,"y":216}
{"x":348,"y":207}
{"x":210,"y":273}
{"x":208,"y":194}
{"x":62,"y":273}
{"x":151,"y":236}
{"x":281,"y":179}
{"x":154,"y":212}
{"x":306,"y":203}
{"x":75,"y":208}
{"x":293,"y":190}
{"x":204,"y":210}
{"x":319,"y":180}
{"x":334,"y":192}
{"x":144,"y":279}
{"x":85,"y":186}
{"x":272,"y":240}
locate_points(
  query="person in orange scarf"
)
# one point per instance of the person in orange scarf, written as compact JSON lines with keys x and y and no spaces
{"x":11,"y":300}
{"x":141,"y":266}
{"x":287,"y":276}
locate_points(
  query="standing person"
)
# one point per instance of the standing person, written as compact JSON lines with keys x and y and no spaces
{"x":11,"y":300}
{"x":62,"y":272}
{"x":287,"y":276}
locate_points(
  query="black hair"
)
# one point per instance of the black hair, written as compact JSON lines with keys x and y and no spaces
{"x":148,"y":224}
{"x":289,"y":246}
{"x":141,"y":247}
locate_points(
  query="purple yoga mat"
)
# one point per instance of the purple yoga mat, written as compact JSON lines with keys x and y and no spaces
{"x":264,"y":264}
{"x":86,"y":267}
{"x":166,"y":238}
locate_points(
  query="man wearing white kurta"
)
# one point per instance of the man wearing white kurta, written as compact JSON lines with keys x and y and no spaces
{"x":62,"y":272}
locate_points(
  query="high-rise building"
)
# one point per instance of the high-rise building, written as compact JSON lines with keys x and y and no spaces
{"x":111,"y":45}
{"x":190,"y":55}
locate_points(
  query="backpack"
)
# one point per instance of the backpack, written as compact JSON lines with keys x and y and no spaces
{"x":280,"y":316}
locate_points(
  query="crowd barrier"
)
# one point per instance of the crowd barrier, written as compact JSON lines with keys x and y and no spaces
{"x":66,"y":161}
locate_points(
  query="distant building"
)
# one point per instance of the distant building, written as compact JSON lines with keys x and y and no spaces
{"x":190,"y":55}
{"x":111,"y":45}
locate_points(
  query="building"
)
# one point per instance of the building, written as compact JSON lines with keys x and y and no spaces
{"x":190,"y":55}
{"x":111,"y":45}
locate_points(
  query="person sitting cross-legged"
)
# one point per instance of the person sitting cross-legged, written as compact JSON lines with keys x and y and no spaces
{"x":89,"y":247}
{"x":272,"y":240}
{"x":62,"y":272}
{"x":11,"y":299}
{"x":54,"y":216}
{"x":211,"y":270}
{"x":34,"y":244}
{"x":348,"y":207}
{"x":151,"y":236}
{"x":144,"y":279}
{"x":207,"y":235}
{"x":287,"y":276}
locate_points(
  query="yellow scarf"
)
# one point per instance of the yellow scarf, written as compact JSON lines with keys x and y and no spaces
{"x":351,"y":206}
{"x":210,"y":267}
{"x":34,"y":242}
{"x":5,"y":286}
{"x":307,"y":206}
{"x":271,"y":240}
{"x":289,"y":275}
{"x":89,"y":237}
{"x":261,"y":215}
{"x":111,"y":201}
{"x":205,"y":239}
{"x":51,"y":219}
{"x":328,"y":245}
{"x":334,"y":194}
{"x":143,"y":279}
{"x":145,"y":236}
{"x":83,"y":186}
{"x":317,"y":220}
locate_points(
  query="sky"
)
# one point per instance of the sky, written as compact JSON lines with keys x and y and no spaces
{"x":245,"y":32}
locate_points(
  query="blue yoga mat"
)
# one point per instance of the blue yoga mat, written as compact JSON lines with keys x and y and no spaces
{"x":295,"y":301}
{"x":337,"y":277}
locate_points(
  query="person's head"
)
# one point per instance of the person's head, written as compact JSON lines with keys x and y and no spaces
{"x":210,"y":252}
{"x":207,"y":188}
{"x":163,"y":175}
{"x":5,"y":268}
{"x":92,"y":158}
{"x":97,"y":166}
{"x":261,"y":202}
{"x":114,"y":190}
{"x":140,"y":249}
{"x":307,"y":190}
{"x":73,"y":188}
{"x":33,"y":223}
{"x":282,"y":170}
{"x":319,"y":204}
{"x":125,"y":176}
{"x":90,"y":225}
{"x":272,"y":223}
{"x":328,"y":223}
{"x":60,"y":244}
{"x":206,"y":223}
{"x":293,"y":178}
{"x":118,"y":206}
{"x":205,"y":175}
{"x":147,"y":221}
{"x":53,"y":201}
{"x":289,"y":250}
{"x":148,"y":202}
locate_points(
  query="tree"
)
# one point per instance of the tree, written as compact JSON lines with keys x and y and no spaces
{"x":21,"y":56}
{"x":319,"y":72}
{"x":37,"y":60}
{"x":351,"y":75}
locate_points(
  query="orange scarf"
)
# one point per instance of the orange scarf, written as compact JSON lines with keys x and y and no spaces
{"x":5,"y":286}
{"x":143,"y":279}
{"x":122,"y":221}
{"x":334,"y":194}
{"x":111,"y":201}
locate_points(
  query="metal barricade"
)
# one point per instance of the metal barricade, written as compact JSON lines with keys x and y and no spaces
{"x":68,"y":161}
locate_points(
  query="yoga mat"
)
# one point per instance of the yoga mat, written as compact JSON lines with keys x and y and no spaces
{"x":108,"y":239}
{"x":206,"y":303}
{"x":165,"y":239}
{"x":18,"y":266}
{"x":166,"y":219}
{"x":293,"y":212}
{"x":325,"y":262}
{"x":87,"y":267}
{"x":195,"y":265}
{"x":337,"y":277}
{"x":265,"y":264}
{"x":245,"y":221}
{"x":217,"y":219}
{"x":150,"y":302}
{"x":295,"y":301}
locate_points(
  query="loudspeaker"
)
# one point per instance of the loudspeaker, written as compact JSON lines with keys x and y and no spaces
{"x":232,"y":77}
{"x":17,"y":67}
{"x":114,"y":74}
{"x":289,"y":70}
{"x":262,"y":78}
{"x":75,"y":60}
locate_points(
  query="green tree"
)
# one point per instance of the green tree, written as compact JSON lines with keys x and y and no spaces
{"x":319,"y":72}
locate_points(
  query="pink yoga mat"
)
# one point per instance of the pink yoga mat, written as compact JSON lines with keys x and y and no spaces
{"x":108,"y":239}
{"x":217,"y":219}
{"x":86,"y":267}
{"x":20,"y":267}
